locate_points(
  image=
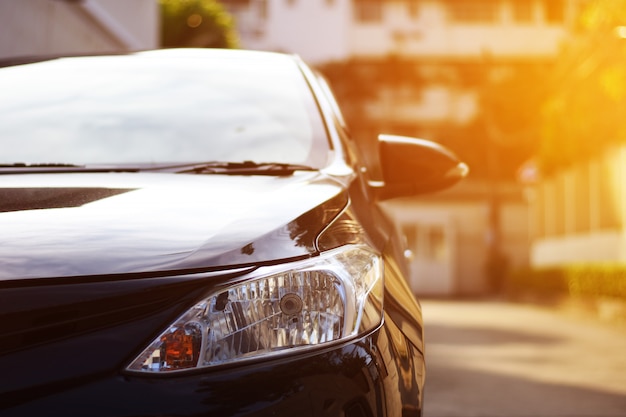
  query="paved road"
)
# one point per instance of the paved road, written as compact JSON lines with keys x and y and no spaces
{"x":496,"y":359}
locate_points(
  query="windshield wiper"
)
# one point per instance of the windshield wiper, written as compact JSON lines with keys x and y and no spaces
{"x":244,"y":168}
{"x":224,"y":168}
{"x":40,"y":165}
{"x":57,"y":167}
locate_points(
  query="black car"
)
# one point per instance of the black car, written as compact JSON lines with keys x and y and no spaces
{"x":193,"y":233}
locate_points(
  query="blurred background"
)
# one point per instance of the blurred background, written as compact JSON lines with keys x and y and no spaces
{"x":530,"y":93}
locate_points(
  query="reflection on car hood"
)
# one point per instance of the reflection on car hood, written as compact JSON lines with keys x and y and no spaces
{"x":96,"y":224}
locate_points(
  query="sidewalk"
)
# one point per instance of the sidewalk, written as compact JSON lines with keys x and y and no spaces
{"x":501,"y":359}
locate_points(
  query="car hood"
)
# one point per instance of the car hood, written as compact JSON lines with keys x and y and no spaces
{"x":63,"y":225}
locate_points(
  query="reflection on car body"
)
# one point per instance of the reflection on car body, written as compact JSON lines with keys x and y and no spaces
{"x":193,"y":232}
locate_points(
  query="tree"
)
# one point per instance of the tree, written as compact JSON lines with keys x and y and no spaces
{"x":587,"y":103}
{"x":503,"y":136}
{"x":196,"y":23}
{"x":511,"y":99}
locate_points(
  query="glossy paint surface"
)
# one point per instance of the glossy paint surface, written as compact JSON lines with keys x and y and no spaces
{"x":95,"y":265}
{"x":60,"y":225}
{"x":366,"y":377}
{"x":93,"y":327}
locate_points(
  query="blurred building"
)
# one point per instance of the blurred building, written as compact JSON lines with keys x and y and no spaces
{"x":447,"y":237}
{"x":417,"y":68}
{"x":331,"y":30}
{"x":34,"y":27}
{"x":444,"y":39}
{"x":579,"y":213}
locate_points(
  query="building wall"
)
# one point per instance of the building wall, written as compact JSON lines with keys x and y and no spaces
{"x":32,"y":27}
{"x":447,"y":234}
{"x":330,"y":30}
{"x":435,"y":103}
{"x":439,"y":29}
{"x":579,"y":214}
{"x":601,"y":246}
{"x":314,"y":29}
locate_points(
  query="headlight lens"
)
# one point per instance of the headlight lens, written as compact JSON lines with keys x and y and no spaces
{"x":276,"y":310}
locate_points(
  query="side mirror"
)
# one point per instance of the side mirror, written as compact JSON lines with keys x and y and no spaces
{"x":413,"y":166}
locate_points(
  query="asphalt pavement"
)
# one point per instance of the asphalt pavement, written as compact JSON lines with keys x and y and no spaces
{"x":501,"y":359}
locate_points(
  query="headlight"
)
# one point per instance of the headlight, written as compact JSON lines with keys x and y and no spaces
{"x":275,"y":310}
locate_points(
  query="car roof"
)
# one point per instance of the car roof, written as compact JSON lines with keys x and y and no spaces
{"x":252,"y":57}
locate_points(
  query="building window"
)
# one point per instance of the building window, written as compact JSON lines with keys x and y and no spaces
{"x":413,"y":8}
{"x":436,"y":244}
{"x":427,"y":242}
{"x":553,"y":10}
{"x":473,"y":11}
{"x":523,"y":11}
{"x":262,"y":9}
{"x":368,"y":10}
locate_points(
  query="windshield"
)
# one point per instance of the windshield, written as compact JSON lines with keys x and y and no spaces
{"x":155,"y":107}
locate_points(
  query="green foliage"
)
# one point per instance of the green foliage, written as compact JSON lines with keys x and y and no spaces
{"x":545,"y":282}
{"x":196,"y":23}
{"x":585,"y":110}
{"x":510,"y":104}
{"x":597,"y":280}
{"x":510,"y":97}
{"x":589,"y":280}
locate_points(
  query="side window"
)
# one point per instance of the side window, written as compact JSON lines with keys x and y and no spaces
{"x":349,"y":146}
{"x":328,"y":93}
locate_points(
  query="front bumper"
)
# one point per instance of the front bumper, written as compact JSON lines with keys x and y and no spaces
{"x":380,"y":374}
